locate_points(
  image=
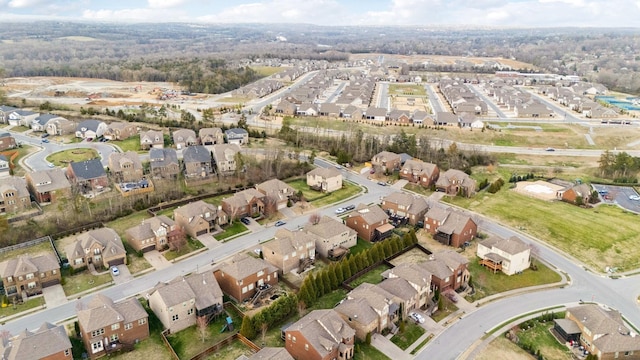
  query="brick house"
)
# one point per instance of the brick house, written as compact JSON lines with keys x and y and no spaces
{"x":368,"y":309}
{"x":153,"y":234}
{"x":249,"y":202}
{"x":14,"y":195}
{"x":404,"y":295}
{"x":454,"y":182}
{"x":181,"y":301}
{"x":370,"y":222}
{"x":99,"y":247}
{"x":320,"y":335}
{"x":277,"y":192}
{"x":386,"y":161}
{"x":152,"y":139}
{"x":244,"y":277}
{"x":48,"y":186}
{"x":324,"y":179}
{"x":106,"y":326}
{"x":420,"y":172}
{"x":211,"y":136}
{"x":290,"y":250}
{"x":88,"y":175}
{"x":164,"y":163}
{"x":27,"y":275}
{"x":197,"y":161}
{"x":183,"y":138}
{"x":405,"y":206}
{"x":419,"y":279}
{"x":6,"y":141}
{"x":125,"y":167}
{"x":199,"y":218}
{"x":450,"y":227}
{"x":224,"y":156}
{"x":511,"y":256}
{"x":332,"y":236}
{"x":120,"y":131}
{"x":49,"y":342}
{"x":449,"y":270}
{"x":578,"y":194}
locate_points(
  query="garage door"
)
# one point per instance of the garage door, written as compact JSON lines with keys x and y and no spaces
{"x":149,"y":248}
{"x":201,"y":232}
{"x":116,"y":262}
{"x":50,"y":283}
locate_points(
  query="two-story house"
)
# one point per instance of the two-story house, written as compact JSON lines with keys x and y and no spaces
{"x":179,"y":302}
{"x":290,"y":250}
{"x":151,"y":139}
{"x":153,"y":234}
{"x":48,"y":186}
{"x":277,"y":192}
{"x":237,"y":136}
{"x":48,"y":342}
{"x":99,"y":247}
{"x":21,"y":117}
{"x":211,"y":136}
{"x":88,"y":175}
{"x":320,"y":335}
{"x":454,"y":182}
{"x":5,"y":111}
{"x":403,"y":293}
{"x":420,"y":172}
{"x":90,"y":129}
{"x":245,"y":277}
{"x":370,"y":222}
{"x":249,"y":202}
{"x":39,"y":124}
{"x":449,"y":270}
{"x":26,"y":276}
{"x":332,"y":236}
{"x":450,"y":227}
{"x":511,"y":256}
{"x":125,"y":167}
{"x":199,"y":218}
{"x":5,"y":167}
{"x":368,"y":309}
{"x":6,"y":141}
{"x":60,"y":126}
{"x":406,"y":206}
{"x":14,"y":195}
{"x":120,"y":131}
{"x":197,"y":162}
{"x":106,"y":326}
{"x":163,"y":163}
{"x":418,"y":277}
{"x":386,"y":161}
{"x":224,"y":156}
{"x":183,"y":138}
{"x":324,"y":179}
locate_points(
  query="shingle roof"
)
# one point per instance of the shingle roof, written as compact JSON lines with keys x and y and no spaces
{"x":325,"y":173}
{"x":287,"y":241}
{"x":399,"y":287}
{"x":419,"y":167}
{"x":242,"y":198}
{"x":49,"y":339}
{"x":118,"y":160}
{"x":328,"y":227}
{"x":162,"y":157}
{"x":454,"y":223}
{"x":108,"y":239}
{"x":90,"y":124}
{"x":44,"y":118}
{"x":26,"y":265}
{"x":203,"y":288}
{"x":512,"y":245}
{"x":183,"y":135}
{"x":88,"y":169}
{"x":608,"y":323}
{"x":196,"y":209}
{"x":196,"y":153}
{"x":454,"y":175}
{"x":358,"y":310}
{"x":225,"y":152}
{"x":102,"y":312}
{"x":276,"y":188}
{"x":410,"y":272}
{"x":323,"y":329}
{"x":215,"y":132}
{"x":49,"y":180}
{"x":370,"y":213}
{"x":413,"y":204}
{"x":243,"y":265}
{"x":270,"y":353}
{"x":14,"y":183}
{"x":236,"y":133}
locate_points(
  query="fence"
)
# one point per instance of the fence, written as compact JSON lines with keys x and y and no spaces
{"x":24,"y":244}
{"x":28,"y":215}
{"x":163,"y":336}
{"x":153,"y":210}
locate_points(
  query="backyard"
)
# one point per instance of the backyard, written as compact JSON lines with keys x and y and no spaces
{"x":372,"y":277}
{"x":539,"y":337}
{"x":319,"y":199}
{"x":130,"y":144}
{"x":188,"y":342}
{"x":63,"y":158}
{"x":38,"y":249}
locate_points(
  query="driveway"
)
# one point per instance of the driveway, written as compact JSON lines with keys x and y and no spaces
{"x":209,"y":241}
{"x":253,"y":225}
{"x":157,"y":260}
{"x":398,"y":185}
{"x":288,"y":213}
{"x":388,"y":348}
{"x":54,"y":295}
{"x":125,"y":275}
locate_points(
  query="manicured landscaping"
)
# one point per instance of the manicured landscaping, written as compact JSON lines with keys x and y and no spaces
{"x":329,"y":301}
{"x":418,"y":189}
{"x":83,"y":281}
{"x":368,"y":352}
{"x":362,"y":245}
{"x":11,"y":309}
{"x":20,"y":128}
{"x":63,"y":158}
{"x":130,"y":144}
{"x":231,"y":230}
{"x":407,"y":90}
{"x":372,"y":277}
{"x":421,"y":345}
{"x":540,"y":338}
{"x":447,"y":309}
{"x":191,"y":246}
{"x":320,"y":199}
{"x":412,"y":332}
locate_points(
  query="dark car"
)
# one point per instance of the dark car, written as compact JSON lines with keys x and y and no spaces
{"x":45,"y":135}
{"x":280,"y":223}
{"x":350,"y":207}
{"x":245,"y":220}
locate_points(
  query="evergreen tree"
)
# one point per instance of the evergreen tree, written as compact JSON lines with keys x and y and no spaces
{"x":333,"y":279}
{"x":353,"y":266}
{"x":326,"y":283}
{"x":338,"y":273}
{"x":346,"y":270}
{"x":247,"y":330}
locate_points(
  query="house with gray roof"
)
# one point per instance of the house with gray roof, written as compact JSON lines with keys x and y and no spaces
{"x":107,"y":326}
{"x":224,"y":156}
{"x":21,"y":117}
{"x":332,"y":236}
{"x":290,"y":250}
{"x":405,"y":206}
{"x":88,"y":175}
{"x":199,"y":218}
{"x":27,"y":275}
{"x":320,"y":335}
{"x":245,"y":277}
{"x":511,"y":256}
{"x":443,"y":118}
{"x":151,"y":139}
{"x":419,"y":279}
{"x":14,"y":196}
{"x":47,"y":342}
{"x":197,"y":162}
{"x":370,"y":222}
{"x":153,"y":234}
{"x":277,"y":192}
{"x":183,"y":138}
{"x":5,"y":111}
{"x":248,"y":202}
{"x":386,"y":161}
{"x":48,"y":186}
{"x":179,"y":302}
{"x":90,"y":129}
{"x":454,"y":182}
{"x":164,"y":163}
{"x":101,"y":248}
{"x":449,"y":270}
{"x":5,"y":168}
{"x":237,"y":136}
{"x":39,"y":124}
{"x":285,"y":107}
{"x":325,"y":179}
{"x":375,"y":114}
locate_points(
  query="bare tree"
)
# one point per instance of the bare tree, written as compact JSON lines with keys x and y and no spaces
{"x":202,"y":324}
{"x":301,"y":307}
{"x":314,"y":218}
{"x":535,"y":253}
{"x":177,"y":239}
{"x":263,"y":331}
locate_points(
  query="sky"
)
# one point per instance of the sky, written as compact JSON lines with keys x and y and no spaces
{"x":494,"y":13}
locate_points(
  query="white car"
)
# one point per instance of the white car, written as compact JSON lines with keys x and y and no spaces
{"x":341,"y":210}
{"x":115,"y":271}
{"x":634,"y":197}
{"x":417,"y":317}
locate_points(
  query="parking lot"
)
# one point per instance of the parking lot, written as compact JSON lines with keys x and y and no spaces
{"x":621,"y":195}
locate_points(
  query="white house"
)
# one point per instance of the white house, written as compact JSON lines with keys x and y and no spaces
{"x":510,"y":256}
{"x":91,"y":129}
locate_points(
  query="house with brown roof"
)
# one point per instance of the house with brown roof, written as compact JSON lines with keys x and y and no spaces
{"x":184,"y":137}
{"x":7,"y":141}
{"x":60,"y":126}
{"x":578,"y":194}
{"x":224,"y":157}
{"x":199,"y":218}
{"x":403,"y":205}
{"x":269,"y":353}
{"x":332,"y":236}
{"x":420,"y":172}
{"x":449,"y":270}
{"x":450,"y":227}
{"x":47,"y":186}
{"x":454,"y":182}
{"x":151,"y":139}
{"x":320,"y":335}
{"x":99,"y":247}
{"x":88,"y":175}
{"x":125,"y":167}
{"x":245,"y":277}
{"x":27,"y":275}
{"x":400,"y":116}
{"x":417,"y":277}
{"x":277,"y":192}
{"x":106,"y":326}
{"x":249,"y":202}
{"x":153,"y":234}
{"x":386,"y":161}
{"x":285,"y":107}
{"x":511,"y":256}
{"x":48,"y":342}
{"x":211,"y":136}
{"x":324,"y":179}
{"x":444,"y":118}
{"x":603,"y":332}
{"x":375,"y":114}
{"x":404,"y":295}
{"x":164,"y":163}
{"x":179,"y":302}
{"x":120,"y":131}
{"x":290,"y":250}
{"x":14,"y":195}
{"x":370,"y":222}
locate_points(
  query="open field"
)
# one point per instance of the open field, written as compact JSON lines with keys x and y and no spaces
{"x":267,"y":70}
{"x":63,"y":158}
{"x":503,"y":349}
{"x":444,"y":60}
{"x":407,"y":90}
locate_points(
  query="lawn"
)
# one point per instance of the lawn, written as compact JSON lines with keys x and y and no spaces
{"x":486,"y":283}
{"x":23,"y":151}
{"x":231,"y":351}
{"x":308,"y":193}
{"x":319,"y":199}
{"x":329,"y":301}
{"x":120,"y":225}
{"x":136,"y":263}
{"x":191,"y":246}
{"x":18,"y":308}
{"x":83,"y":281}
{"x":43,"y":247}
{"x":361,"y":246}
{"x":20,"y":128}
{"x":372,"y":277}
{"x":188,"y":342}
{"x":267,"y":70}
{"x":418,"y":189}
{"x":600,"y":237}
{"x":232,"y":230}
{"x":130,"y":144}
{"x":63,"y":158}
{"x":412,"y":332}
{"x":368,"y":352}
{"x":540,"y":338}
{"x":503,"y":349}
{"x":407,"y":90}
{"x":448,"y":308}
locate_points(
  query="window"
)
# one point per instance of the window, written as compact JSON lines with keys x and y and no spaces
{"x":174,"y":317}
{"x":114,"y":337}
{"x":306,"y":347}
{"x":10,"y":279}
{"x":293,"y":339}
{"x":142,"y":321}
{"x":250,"y":287}
{"x":42,"y":275}
{"x":244,"y":289}
{"x":96,"y":347}
{"x":115,"y":326}
{"x":190,"y":311}
{"x":67,"y":352}
{"x":98,"y":332}
{"x":31,"y":285}
{"x":128,"y":326}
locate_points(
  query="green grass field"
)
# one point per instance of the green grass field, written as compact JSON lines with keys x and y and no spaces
{"x":231,"y":230}
{"x":267,"y":70}
{"x":63,"y":158}
{"x":368,"y":352}
{"x":84,"y":281}
{"x":412,"y":332}
{"x":191,"y":246}
{"x":407,"y":90}
{"x":320,"y":199}
{"x":130,"y":144}
{"x":10,"y":309}
{"x":188,"y":342}
{"x":372,"y":277}
{"x":539,"y":338}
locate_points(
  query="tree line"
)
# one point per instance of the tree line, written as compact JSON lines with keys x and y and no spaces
{"x":621,"y":167}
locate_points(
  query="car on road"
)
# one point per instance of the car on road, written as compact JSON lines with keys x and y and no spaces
{"x":341,"y":210}
{"x":550,"y":149}
{"x":339,"y":167}
{"x":280,"y":223}
{"x":50,"y":165}
{"x":245,"y":220}
{"x":115,"y":271}
{"x":45,"y":141}
{"x":634,"y":197}
{"x":350,"y":207}
{"x":382,"y":183}
{"x":417,"y":317}
{"x":372,"y":171}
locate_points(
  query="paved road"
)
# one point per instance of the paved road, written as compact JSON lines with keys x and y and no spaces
{"x":488,"y":101}
{"x":434,"y":99}
{"x":383,"y":95}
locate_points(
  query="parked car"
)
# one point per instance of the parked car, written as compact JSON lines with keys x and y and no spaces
{"x":115,"y":271}
{"x":373,"y":171}
{"x":45,"y":141}
{"x":45,"y":135}
{"x":341,"y":210}
{"x":280,"y":223}
{"x":50,"y":165}
{"x":634,"y":197}
{"x":245,"y":220}
{"x":550,"y":149}
{"x":350,"y":207}
{"x":417,"y":317}
{"x":451,"y":296}
{"x":382,"y":183}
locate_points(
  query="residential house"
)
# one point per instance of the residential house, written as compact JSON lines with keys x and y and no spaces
{"x":164,"y":163}
{"x":179,"y":302}
{"x":197,"y":162}
{"x":324,"y":179}
{"x":249,"y":202}
{"x":533,"y":110}
{"x":39,"y":124}
{"x":604,"y":333}
{"x":443,"y":118}
{"x":290,"y":250}
{"x":5,"y":111}
{"x":375,"y":114}
{"x":386,"y":161}
{"x":578,"y":194}
{"x":511,"y":256}
{"x":449,"y":270}
{"x":269,"y":353}
{"x":352,"y":112}
{"x":106,"y":326}
{"x":245,"y":277}
{"x":211,"y":136}
{"x":99,"y":247}
{"x":6,"y":141}
{"x":285,"y":107}
{"x":400,"y":116}
{"x":370,"y":222}
{"x":26,"y":275}
{"x":320,"y":335}
{"x":405,"y":296}
{"x":88,"y":175}
{"x":307,"y":109}
{"x":419,"y":279}
{"x":20,"y":117}
{"x":332,"y":236}
{"x":420,"y":172}
{"x":153,"y":234}
{"x":450,"y":227}
{"x":330,"y":110}
{"x":183,"y":138}
{"x":405,"y":206}
{"x":367,"y":309}
{"x":125,"y":167}
{"x":48,"y":342}
{"x":224,"y":156}
{"x":237,"y":136}
{"x":151,"y":139}
{"x":420,"y":117}
{"x":277,"y":192}
{"x":90,"y":129}
{"x":199,"y":218}
{"x":48,"y":186}
{"x":60,"y":126}
{"x":120,"y":131}
{"x":5,"y":167}
{"x":454,"y":182}
{"x":14,"y":196}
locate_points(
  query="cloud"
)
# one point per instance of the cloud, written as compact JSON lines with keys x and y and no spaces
{"x":20,"y":4}
{"x":139,"y":14}
{"x":326,"y":12}
{"x":163,"y":4}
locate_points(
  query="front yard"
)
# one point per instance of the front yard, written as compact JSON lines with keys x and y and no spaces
{"x":231,"y":230}
{"x":83,"y":281}
{"x":191,"y":246}
{"x":130,"y":144}
{"x":539,"y":337}
{"x":11,"y":309}
{"x":412,"y":332}
{"x":64,"y":157}
{"x":319,"y":199}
